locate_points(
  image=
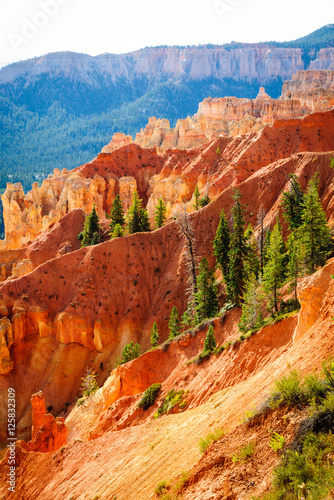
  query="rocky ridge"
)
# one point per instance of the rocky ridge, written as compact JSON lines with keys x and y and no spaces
{"x":173,"y":175}
{"x":308,"y":92}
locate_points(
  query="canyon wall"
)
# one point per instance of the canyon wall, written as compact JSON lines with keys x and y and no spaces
{"x":308,"y":92}
{"x":250,"y":62}
{"x":81,"y":308}
{"x":172,"y":175}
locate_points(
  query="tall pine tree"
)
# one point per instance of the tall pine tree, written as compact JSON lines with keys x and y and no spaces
{"x":91,"y":230}
{"x":274,"y":268}
{"x":116,"y":214}
{"x":174,"y":323}
{"x":252,"y":307}
{"x":221,"y":244}
{"x":210,"y":342}
{"x":237,"y":253}
{"x":206,"y":298}
{"x":138,"y":220}
{"x":315,"y":230}
{"x":160,"y":213}
{"x":293,"y":203}
{"x":296,"y":267}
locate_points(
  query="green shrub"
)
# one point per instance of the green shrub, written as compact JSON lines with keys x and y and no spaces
{"x":277,"y":442}
{"x":162,"y":487}
{"x":288,"y":390}
{"x":244,"y":453}
{"x":308,"y":472}
{"x":328,"y":371}
{"x":172,"y":399}
{"x":149,"y":397}
{"x":314,"y":388}
{"x":212,"y":437}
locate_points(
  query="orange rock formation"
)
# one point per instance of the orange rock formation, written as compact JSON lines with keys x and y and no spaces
{"x":48,"y":433}
{"x":307,"y":92}
{"x":172,"y":175}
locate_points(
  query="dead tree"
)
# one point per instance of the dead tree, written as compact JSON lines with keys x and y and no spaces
{"x":190,"y":254}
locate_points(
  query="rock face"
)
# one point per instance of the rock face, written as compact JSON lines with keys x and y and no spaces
{"x":172,"y":175}
{"x":48,"y":433}
{"x":308,"y":92}
{"x":325,"y":60}
{"x":313,"y":89}
{"x":250,"y":62}
{"x":82,"y":307}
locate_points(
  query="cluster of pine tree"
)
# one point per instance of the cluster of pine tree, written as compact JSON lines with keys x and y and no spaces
{"x":137,"y":220}
{"x":254,"y":272}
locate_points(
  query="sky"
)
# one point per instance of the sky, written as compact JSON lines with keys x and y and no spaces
{"x":30,"y":28}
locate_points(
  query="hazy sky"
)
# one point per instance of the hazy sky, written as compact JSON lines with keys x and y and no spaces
{"x":30,"y":28}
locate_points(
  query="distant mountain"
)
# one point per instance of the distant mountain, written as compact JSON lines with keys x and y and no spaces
{"x":60,"y":109}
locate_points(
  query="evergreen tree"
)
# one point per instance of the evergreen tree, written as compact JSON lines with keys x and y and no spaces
{"x":196,"y":196}
{"x":138,"y":220}
{"x":210,"y":343}
{"x":118,"y":232}
{"x":274,"y":268}
{"x":116,"y":214}
{"x":293,"y":203}
{"x":160,"y":213}
{"x":260,"y":219}
{"x":266,"y":241}
{"x":315,"y":230}
{"x":206,"y":297}
{"x":95,"y":239}
{"x":204,"y":201}
{"x":237,"y":253}
{"x":253,"y":299}
{"x":129,"y":353}
{"x":174,"y":323}
{"x":221,"y":244}
{"x":296,"y":260}
{"x":154,"y":335}
{"x":91,"y":230}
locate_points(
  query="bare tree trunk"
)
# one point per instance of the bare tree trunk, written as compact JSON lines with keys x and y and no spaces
{"x":190,"y":251}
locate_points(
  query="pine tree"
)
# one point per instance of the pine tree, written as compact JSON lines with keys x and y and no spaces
{"x":116,"y":214}
{"x":129,"y":353}
{"x":174,"y":323}
{"x":260,"y":219}
{"x":203,"y":202}
{"x":274,"y":268}
{"x":292,"y":203}
{"x":206,"y":297}
{"x":221,"y":244}
{"x":91,"y":226}
{"x":118,"y":232}
{"x":252,"y":307}
{"x":154,"y":335}
{"x":210,"y":343}
{"x":138,"y":220}
{"x":315,"y":229}
{"x":95,"y":239}
{"x":237,"y":253}
{"x":160,"y":213}
{"x":196,"y":196}
{"x":296,"y":267}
